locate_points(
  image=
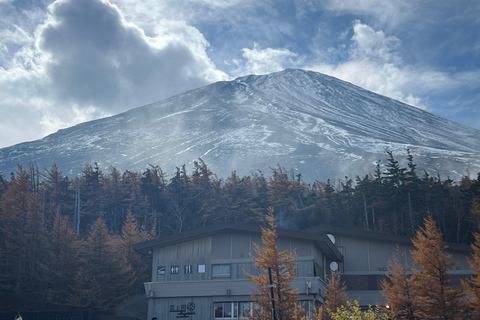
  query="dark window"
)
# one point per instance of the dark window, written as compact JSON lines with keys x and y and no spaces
{"x":226,"y":310}
{"x":221,"y":270}
{"x":219,"y":310}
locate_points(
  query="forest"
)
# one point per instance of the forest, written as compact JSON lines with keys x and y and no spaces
{"x":67,"y":242}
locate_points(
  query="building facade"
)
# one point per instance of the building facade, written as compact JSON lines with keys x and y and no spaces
{"x":366,"y":255}
{"x":201,"y":274}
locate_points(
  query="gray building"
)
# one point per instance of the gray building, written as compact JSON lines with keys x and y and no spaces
{"x":200,"y":274}
{"x":366,"y":255}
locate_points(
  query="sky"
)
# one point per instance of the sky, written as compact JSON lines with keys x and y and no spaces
{"x":69,"y":61}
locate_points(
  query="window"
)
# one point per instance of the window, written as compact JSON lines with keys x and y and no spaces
{"x":174,"y":269}
{"x":221,"y":270}
{"x":201,"y":268}
{"x":160,"y":270}
{"x":226,"y":310}
{"x":244,"y":309}
{"x":233,"y":310}
{"x":307,"y":311}
{"x":188,"y":268}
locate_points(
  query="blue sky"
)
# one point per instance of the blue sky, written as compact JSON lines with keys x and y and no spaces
{"x":69,"y":61}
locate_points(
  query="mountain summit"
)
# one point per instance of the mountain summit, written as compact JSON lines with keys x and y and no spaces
{"x":317,"y":125}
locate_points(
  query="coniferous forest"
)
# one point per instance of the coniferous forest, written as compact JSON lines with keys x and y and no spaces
{"x":67,"y":242}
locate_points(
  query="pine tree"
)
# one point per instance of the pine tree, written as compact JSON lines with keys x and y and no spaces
{"x":114,"y":199}
{"x":335,"y":294}
{"x":56,"y":195}
{"x":91,"y":195}
{"x":3,"y":184}
{"x":180,"y":201}
{"x":134,"y":199}
{"x":399,"y":289}
{"x":436,"y":296}
{"x":286,"y":194}
{"x":153,"y":188}
{"x":282,"y":266}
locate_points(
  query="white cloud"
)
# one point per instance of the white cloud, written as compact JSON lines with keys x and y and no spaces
{"x":147,"y":13}
{"x":262,"y":61}
{"x":371,"y":44}
{"x":100,"y":59}
{"x":51,"y":122}
{"x":10,"y":41}
{"x":374,"y":64}
{"x":85,"y":60}
{"x":385,"y":13}
{"x":385,"y":79}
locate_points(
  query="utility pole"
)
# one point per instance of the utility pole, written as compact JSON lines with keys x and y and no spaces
{"x":274,"y":314}
{"x":77,"y":208}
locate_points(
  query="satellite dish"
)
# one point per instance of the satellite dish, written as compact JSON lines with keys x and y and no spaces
{"x":334,"y":266}
{"x":331,"y":237}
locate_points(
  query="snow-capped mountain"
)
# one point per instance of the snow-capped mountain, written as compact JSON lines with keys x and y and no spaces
{"x":316,"y":125}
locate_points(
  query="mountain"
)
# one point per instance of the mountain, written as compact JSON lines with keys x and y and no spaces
{"x":314,"y":124}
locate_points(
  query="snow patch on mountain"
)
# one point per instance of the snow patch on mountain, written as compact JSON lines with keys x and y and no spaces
{"x":317,"y":125}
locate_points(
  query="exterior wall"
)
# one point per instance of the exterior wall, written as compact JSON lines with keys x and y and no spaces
{"x":366,"y":261}
{"x":160,"y":308}
{"x":205,"y":289}
{"x":234,"y":249}
{"x":176,"y":279}
{"x":364,"y":256}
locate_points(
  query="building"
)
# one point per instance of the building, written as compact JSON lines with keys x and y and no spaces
{"x":366,"y":255}
{"x":200,"y":274}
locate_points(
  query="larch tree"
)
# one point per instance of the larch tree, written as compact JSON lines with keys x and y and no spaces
{"x":399,"y":289}
{"x":131,"y":234}
{"x":107,"y":272}
{"x":22,"y":242}
{"x":335,"y":294}
{"x":280,"y":266}
{"x":435,"y":295}
{"x":61,"y":265}
{"x":473,"y":284}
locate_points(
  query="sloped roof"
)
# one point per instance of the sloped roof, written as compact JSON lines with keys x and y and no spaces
{"x":320,"y":239}
{"x":377,"y":236}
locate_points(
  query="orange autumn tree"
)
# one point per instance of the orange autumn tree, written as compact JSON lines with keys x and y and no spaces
{"x":131,"y":234}
{"x":435,"y":295}
{"x":335,"y":294}
{"x":399,"y":290}
{"x":473,"y":284}
{"x":282,"y":266}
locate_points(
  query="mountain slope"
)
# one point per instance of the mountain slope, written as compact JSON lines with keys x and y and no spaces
{"x":318,"y":125}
